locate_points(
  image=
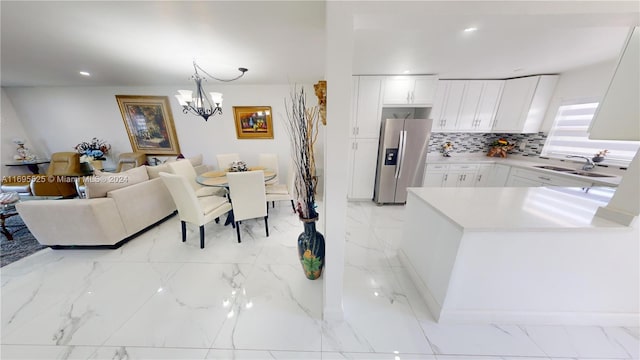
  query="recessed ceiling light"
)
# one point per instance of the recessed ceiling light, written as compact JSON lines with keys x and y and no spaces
{"x":470,"y":29}
{"x":84,"y":73}
{"x":406,"y":72}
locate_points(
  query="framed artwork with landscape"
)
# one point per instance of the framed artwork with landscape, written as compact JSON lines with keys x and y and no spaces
{"x":149,"y":124}
{"x":253,"y":122}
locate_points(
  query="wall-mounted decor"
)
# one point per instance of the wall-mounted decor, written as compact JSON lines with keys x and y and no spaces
{"x":253,"y":122}
{"x":321,"y":92}
{"x":149,"y":124}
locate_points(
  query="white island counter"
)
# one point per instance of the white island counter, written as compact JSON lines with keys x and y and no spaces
{"x":520,"y":255}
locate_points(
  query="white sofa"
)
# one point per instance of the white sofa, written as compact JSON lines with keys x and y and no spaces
{"x":116,"y":211}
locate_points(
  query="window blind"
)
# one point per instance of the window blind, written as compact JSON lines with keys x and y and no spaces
{"x":569,"y":136}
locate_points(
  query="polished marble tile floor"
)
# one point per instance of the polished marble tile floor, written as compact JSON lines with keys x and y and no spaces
{"x":159,"y":298}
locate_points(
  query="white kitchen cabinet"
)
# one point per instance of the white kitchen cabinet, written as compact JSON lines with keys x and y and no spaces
{"x":484,"y":176}
{"x":446,"y":106}
{"x":433,"y":178}
{"x":409,"y":90}
{"x":363,"y":157}
{"x":367,"y":108}
{"x":525,"y":177}
{"x":617,"y":116}
{"x":454,"y":175}
{"x":523,"y":104}
{"x":499,"y":175}
{"x":479,"y":105}
{"x":516,"y":181}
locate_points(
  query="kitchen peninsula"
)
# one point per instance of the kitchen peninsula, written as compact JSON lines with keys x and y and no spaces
{"x":520,"y":255}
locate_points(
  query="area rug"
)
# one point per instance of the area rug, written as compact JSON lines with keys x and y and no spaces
{"x":23,"y":243}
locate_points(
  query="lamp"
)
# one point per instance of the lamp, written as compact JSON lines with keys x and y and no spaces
{"x":199,"y":103}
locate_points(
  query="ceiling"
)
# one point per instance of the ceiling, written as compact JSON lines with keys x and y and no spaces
{"x":151,"y":43}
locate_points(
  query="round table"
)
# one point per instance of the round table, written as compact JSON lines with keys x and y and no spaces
{"x":219,"y":178}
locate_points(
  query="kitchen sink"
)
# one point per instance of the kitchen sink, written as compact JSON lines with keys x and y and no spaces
{"x":554,"y":168}
{"x":589,"y":174}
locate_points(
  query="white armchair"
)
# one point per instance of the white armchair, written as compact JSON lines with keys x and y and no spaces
{"x":282,"y":192}
{"x":193,"y":209}
{"x":248,"y":197}
{"x":269,"y":161}
{"x":225,"y":160}
{"x":186,"y":169}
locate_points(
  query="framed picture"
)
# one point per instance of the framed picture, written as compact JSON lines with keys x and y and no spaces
{"x":253,"y":122}
{"x":149,"y":124}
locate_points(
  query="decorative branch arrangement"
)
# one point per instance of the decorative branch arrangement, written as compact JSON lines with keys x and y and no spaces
{"x":302,"y":127}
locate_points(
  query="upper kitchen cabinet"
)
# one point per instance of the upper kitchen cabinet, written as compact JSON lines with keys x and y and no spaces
{"x":524,"y":103}
{"x":618,"y":116}
{"x":466,"y":105}
{"x":365,"y":120}
{"x":479,"y":105}
{"x":446,"y":105}
{"x":411,"y":91}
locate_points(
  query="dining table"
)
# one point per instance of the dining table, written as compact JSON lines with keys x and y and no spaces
{"x":218,"y":178}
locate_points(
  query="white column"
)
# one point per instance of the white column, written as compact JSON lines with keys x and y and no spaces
{"x":339,"y":53}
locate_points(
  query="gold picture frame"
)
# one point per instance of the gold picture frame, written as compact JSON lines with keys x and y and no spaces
{"x":149,"y":124}
{"x":253,"y":122}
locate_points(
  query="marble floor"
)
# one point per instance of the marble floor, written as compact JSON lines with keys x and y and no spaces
{"x":159,"y":298}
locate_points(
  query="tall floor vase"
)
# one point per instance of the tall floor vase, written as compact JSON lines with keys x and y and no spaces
{"x":311,"y":249}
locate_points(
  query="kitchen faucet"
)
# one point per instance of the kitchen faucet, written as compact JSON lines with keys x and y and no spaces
{"x":588,"y":165}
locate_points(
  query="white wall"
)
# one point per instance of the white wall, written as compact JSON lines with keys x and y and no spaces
{"x":58,"y":118}
{"x":11,"y":128}
{"x":589,"y":82}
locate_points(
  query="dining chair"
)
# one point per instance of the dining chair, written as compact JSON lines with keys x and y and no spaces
{"x":225,"y":160}
{"x":269,"y":161}
{"x":191,"y":208}
{"x":282,"y":192}
{"x":247,"y":192}
{"x":186,"y":169}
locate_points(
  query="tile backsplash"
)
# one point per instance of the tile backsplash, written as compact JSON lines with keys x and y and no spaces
{"x":480,"y":142}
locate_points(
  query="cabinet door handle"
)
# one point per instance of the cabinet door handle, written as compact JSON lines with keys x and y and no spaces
{"x":479,"y":177}
{"x":445,"y":177}
{"x":357,"y":130}
{"x":544,"y":178}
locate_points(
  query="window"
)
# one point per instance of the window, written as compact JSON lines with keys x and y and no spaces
{"x":568,"y":136}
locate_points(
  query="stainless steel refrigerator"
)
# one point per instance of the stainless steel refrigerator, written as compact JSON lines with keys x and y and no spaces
{"x":402,"y":152}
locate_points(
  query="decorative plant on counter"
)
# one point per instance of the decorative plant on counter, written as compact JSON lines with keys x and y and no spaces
{"x":599,"y":157}
{"x":500,"y":147}
{"x":302,"y":127}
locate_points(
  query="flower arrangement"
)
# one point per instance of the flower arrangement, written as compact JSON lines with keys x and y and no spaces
{"x":303,"y":131}
{"x":446,"y":149}
{"x":599,"y":157}
{"x":95,"y":149}
{"x":500,"y":147}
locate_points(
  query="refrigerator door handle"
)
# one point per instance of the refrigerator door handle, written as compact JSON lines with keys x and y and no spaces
{"x":401,"y":145}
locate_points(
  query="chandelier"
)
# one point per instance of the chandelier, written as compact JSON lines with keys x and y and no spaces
{"x":199,"y":103}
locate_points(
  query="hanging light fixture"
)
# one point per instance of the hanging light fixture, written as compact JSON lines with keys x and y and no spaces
{"x":199,"y":103}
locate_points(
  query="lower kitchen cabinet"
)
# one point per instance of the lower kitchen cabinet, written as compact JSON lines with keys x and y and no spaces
{"x":526,"y":178}
{"x":454,"y":175}
{"x":363,"y":157}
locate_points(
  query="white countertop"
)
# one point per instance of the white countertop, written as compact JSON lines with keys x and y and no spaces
{"x":522,"y":209}
{"x":529,"y":162}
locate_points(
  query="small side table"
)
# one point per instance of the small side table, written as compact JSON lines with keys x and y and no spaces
{"x":7,"y":209}
{"x":31,"y":165}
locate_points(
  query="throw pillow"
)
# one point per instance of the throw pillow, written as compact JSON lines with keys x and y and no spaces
{"x":100,"y":183}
